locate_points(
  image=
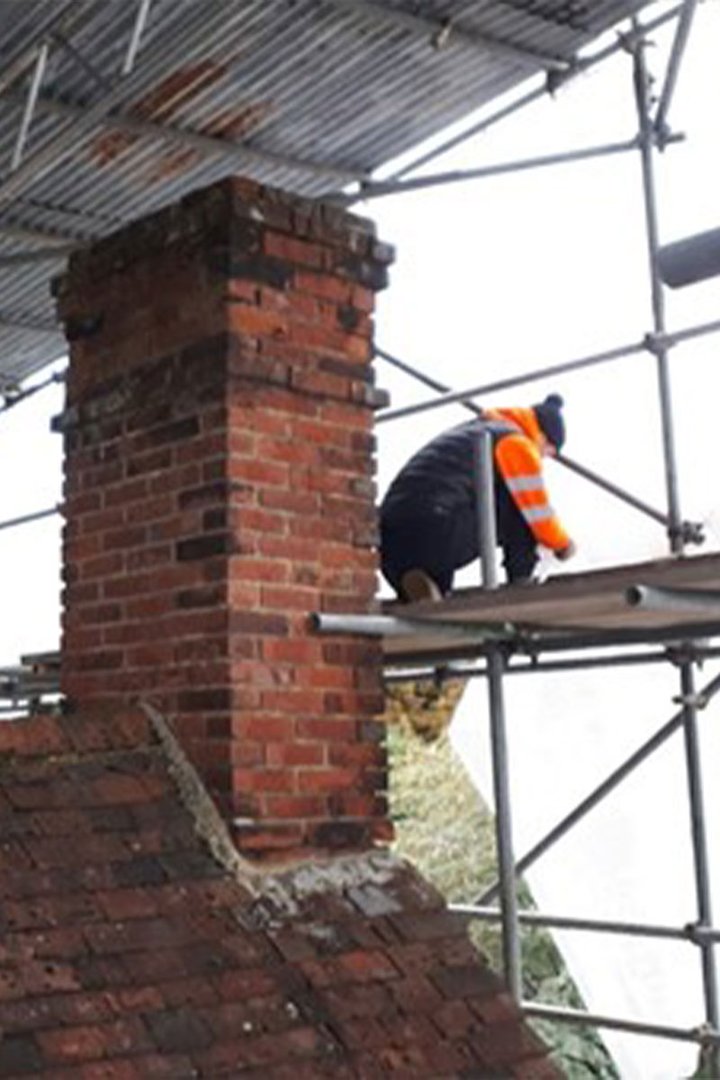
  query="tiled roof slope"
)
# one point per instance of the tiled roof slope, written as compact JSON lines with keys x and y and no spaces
{"x":128,"y":951}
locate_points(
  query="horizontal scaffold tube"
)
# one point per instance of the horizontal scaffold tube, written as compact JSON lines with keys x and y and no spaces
{"x":391,"y":626}
{"x":692,"y":933}
{"x":700,"y":1034}
{"x":661,"y":599}
{"x":652,"y":342}
{"x":27,"y":518}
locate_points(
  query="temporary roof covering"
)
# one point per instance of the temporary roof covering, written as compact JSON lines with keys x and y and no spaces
{"x":113,"y":108}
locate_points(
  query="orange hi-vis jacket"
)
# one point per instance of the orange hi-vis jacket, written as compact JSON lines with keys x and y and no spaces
{"x":518,"y":459}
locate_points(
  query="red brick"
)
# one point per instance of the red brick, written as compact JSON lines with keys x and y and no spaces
{"x":324,"y":286}
{"x":293,"y":651}
{"x":264,"y":780}
{"x":266,"y":728}
{"x":85,"y":547}
{"x":296,"y":251}
{"x":87,"y":592}
{"x":244,"y":319}
{"x":244,"y":290}
{"x":298,"y":807}
{"x":326,"y":730}
{"x":126,"y":537}
{"x":101,"y":566}
{"x":268,"y":838}
{"x":348,"y":804}
{"x":294,"y":753}
{"x":323,"y":779}
{"x":355,"y":754}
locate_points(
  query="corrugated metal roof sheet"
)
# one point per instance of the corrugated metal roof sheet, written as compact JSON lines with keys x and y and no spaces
{"x":304,"y":94}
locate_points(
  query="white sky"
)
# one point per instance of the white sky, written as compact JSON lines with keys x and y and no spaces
{"x":494,"y":278}
{"x":30,"y":554}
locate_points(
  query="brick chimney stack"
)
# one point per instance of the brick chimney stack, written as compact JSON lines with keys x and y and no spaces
{"x":219,"y":488}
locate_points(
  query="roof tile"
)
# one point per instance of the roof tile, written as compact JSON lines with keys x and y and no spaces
{"x":128,"y":952}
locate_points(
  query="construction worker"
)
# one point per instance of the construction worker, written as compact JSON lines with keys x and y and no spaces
{"x":429,"y":516}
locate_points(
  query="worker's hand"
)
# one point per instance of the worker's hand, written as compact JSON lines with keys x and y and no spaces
{"x":567,"y":552}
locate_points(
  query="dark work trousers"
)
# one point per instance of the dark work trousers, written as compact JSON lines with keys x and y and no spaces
{"x":440,"y":541}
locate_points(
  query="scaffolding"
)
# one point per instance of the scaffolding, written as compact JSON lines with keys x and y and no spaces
{"x":495,"y":640}
{"x":671,"y":611}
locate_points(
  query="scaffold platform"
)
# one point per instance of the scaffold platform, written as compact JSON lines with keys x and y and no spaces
{"x":674,"y":598}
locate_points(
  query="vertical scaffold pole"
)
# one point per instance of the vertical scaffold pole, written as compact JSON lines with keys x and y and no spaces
{"x":485,"y":487}
{"x":700,"y":849}
{"x":687,"y":678}
{"x":647,"y":144}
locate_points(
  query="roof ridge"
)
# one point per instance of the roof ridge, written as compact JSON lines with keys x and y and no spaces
{"x":209,"y":823}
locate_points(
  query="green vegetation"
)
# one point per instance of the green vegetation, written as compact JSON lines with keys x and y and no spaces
{"x":443,"y":828}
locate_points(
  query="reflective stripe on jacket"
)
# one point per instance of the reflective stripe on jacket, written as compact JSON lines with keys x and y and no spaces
{"x":518,"y":460}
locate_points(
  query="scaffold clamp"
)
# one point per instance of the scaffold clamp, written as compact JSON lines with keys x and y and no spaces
{"x":656,"y":343}
{"x":693,"y":930}
{"x":692,"y":532}
{"x":690,"y":701}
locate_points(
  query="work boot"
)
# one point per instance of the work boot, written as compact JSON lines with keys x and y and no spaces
{"x":417,"y":585}
{"x":526,"y":579}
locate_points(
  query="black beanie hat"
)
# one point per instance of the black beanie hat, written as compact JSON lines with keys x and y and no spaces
{"x":551,"y":420}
